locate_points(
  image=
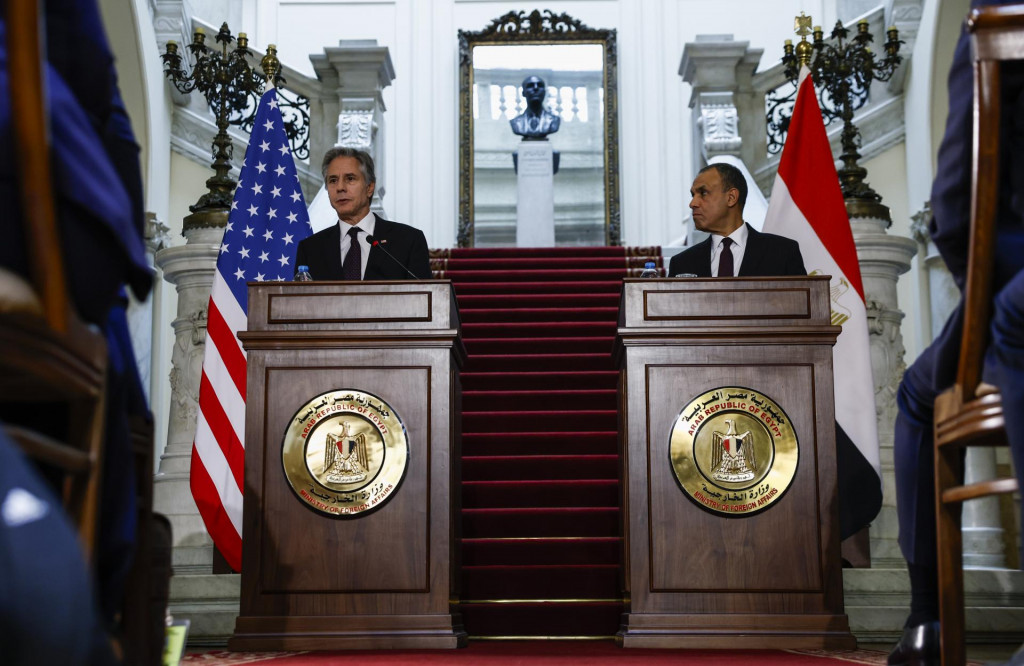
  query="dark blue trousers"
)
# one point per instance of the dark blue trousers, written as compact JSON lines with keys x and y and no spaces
{"x":914,"y":450}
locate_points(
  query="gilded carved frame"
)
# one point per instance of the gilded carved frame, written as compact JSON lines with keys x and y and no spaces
{"x":538,"y":27}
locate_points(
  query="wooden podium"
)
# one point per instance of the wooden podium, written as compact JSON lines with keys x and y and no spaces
{"x":385,"y":577}
{"x":743,"y":564}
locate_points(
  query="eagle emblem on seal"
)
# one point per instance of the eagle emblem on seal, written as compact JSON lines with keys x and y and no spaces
{"x":732,"y":456}
{"x":345,"y":456}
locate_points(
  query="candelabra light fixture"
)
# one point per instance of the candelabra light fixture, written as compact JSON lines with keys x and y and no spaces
{"x":230,"y":85}
{"x":845,"y":67}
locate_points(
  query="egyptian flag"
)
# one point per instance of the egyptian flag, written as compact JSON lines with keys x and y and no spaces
{"x":807,"y":205}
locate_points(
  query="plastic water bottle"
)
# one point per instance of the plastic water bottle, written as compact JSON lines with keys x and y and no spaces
{"x":302,"y":275}
{"x":649,"y":270}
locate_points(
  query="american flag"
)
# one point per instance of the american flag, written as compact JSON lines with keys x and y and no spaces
{"x":267,"y":219}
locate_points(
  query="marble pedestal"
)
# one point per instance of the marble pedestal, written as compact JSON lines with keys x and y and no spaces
{"x":535,"y":201}
{"x":190,"y":268}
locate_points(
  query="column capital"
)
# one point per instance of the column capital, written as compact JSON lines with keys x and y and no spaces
{"x":358,"y":66}
{"x":718,"y":63}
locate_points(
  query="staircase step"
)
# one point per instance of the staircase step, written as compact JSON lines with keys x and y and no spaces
{"x":548,"y":620}
{"x":473,"y":401}
{"x":540,"y":329}
{"x":564,"y":581}
{"x":539,"y":443}
{"x":609,"y":299}
{"x":459,"y":276}
{"x":550,"y":362}
{"x":532,"y":421}
{"x":599,"y":521}
{"x":540,"y":286}
{"x":605,"y":315}
{"x":513,"y":252}
{"x":509,"y":468}
{"x":542,"y":263}
{"x":515,"y":381}
{"x":540,"y":493}
{"x":577,"y":550}
{"x":541,"y":345}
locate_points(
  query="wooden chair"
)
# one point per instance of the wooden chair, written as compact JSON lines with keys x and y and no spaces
{"x":970,"y":413}
{"x":48,"y":358}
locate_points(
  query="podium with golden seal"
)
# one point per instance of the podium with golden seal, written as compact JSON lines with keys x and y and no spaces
{"x":351,"y":467}
{"x":727,"y":442}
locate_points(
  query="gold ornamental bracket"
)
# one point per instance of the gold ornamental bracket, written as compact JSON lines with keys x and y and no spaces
{"x":734,"y":451}
{"x":345,"y":453}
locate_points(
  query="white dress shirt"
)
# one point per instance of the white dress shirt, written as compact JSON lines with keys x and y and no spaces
{"x":367,"y":224}
{"x":739,"y":244}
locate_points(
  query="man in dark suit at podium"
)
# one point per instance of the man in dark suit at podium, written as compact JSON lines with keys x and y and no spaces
{"x":936,"y":368}
{"x":734,"y":248}
{"x":371,"y":248}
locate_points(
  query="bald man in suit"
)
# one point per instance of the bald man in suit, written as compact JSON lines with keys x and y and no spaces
{"x":734,"y":248}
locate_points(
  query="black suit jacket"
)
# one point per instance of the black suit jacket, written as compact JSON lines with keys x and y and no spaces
{"x":322,"y":253}
{"x":766,"y":255}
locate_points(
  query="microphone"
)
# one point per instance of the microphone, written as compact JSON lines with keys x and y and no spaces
{"x":379,"y":244}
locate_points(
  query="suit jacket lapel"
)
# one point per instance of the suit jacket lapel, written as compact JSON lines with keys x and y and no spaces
{"x":753,"y":254}
{"x":704,"y":269}
{"x":374,"y":263}
{"x":330,"y":250}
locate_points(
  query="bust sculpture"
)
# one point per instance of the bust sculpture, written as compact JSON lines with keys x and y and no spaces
{"x":536,"y":122}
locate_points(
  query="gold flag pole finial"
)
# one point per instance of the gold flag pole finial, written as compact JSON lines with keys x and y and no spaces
{"x":802,"y":26}
{"x":271,"y":66}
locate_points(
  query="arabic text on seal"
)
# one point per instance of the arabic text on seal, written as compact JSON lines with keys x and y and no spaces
{"x":345,"y":452}
{"x":733,"y":451}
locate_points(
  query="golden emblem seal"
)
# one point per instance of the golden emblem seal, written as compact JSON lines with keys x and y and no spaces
{"x":345,"y":452}
{"x":733,"y":450}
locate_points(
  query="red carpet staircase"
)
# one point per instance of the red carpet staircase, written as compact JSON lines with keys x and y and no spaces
{"x":540,"y":492}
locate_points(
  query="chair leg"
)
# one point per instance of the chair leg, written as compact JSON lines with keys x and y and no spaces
{"x":949,"y":471}
{"x":82,"y":491}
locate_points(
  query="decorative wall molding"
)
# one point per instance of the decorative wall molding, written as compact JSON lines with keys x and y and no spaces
{"x":719,"y":123}
{"x":157,"y":235}
{"x":356,"y":127}
{"x":919,"y":225}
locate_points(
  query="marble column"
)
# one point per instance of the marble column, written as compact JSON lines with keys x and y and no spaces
{"x":983,"y":538}
{"x":189,"y":268}
{"x":883,"y":258}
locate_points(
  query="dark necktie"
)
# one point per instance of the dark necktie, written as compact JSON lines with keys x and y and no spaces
{"x":352,"y":268}
{"x":725,"y":260}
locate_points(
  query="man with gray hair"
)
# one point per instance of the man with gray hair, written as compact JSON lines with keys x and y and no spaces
{"x":362,"y":245}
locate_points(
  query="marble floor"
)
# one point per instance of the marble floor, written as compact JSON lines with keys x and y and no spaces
{"x":982,"y":653}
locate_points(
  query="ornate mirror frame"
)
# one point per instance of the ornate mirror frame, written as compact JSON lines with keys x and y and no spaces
{"x":538,"y":27}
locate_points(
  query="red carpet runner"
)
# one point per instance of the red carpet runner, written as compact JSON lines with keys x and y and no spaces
{"x":540,"y":492}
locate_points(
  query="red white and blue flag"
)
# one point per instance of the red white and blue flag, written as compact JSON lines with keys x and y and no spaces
{"x":267,"y":219}
{"x":807,"y":205}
